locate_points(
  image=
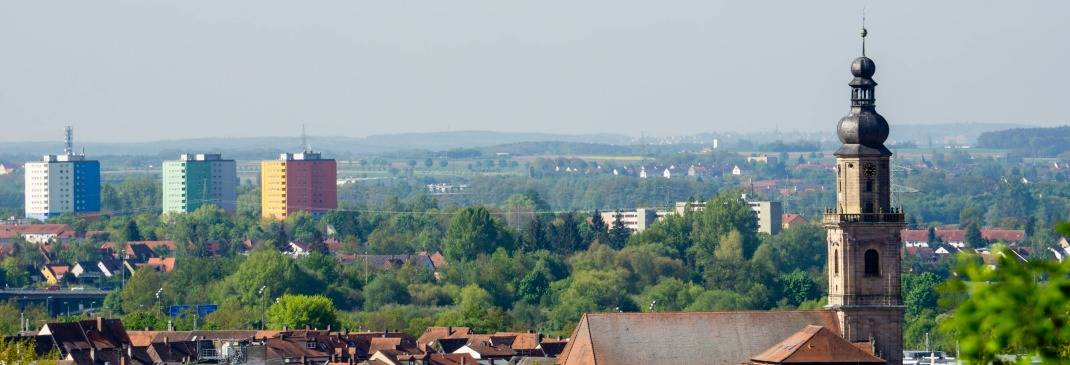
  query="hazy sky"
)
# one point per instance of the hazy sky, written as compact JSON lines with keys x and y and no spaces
{"x":147,"y":70}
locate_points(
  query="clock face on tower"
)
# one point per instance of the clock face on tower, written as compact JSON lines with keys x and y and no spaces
{"x":869,"y":169}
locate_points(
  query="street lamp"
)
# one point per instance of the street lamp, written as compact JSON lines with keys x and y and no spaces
{"x":159,"y":304}
{"x":263,"y":307}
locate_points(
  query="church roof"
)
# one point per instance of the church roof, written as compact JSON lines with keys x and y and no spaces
{"x":716,"y":338}
{"x":815,"y":344}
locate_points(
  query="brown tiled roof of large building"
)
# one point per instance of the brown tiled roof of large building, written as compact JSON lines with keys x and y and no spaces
{"x":715,"y":338}
{"x":815,"y":345}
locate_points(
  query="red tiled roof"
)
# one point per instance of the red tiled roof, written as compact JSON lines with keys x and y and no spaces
{"x":815,"y":345}
{"x":165,"y":264}
{"x":792,"y":218}
{"x":959,"y":235}
{"x":914,"y":235}
{"x":432,"y":334}
{"x":1003,"y":235}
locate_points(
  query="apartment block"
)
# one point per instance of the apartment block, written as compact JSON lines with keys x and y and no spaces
{"x":59,"y":184}
{"x":198,"y":179}
{"x":302,"y":181}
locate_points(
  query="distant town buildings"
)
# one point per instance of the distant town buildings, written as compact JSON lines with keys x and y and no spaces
{"x":769,"y":215}
{"x":636,"y":220}
{"x":59,"y":184}
{"x":302,"y":181}
{"x":762,"y":159}
{"x":442,"y":188}
{"x":197,"y":179}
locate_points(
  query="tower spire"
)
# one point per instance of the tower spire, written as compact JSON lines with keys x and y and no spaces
{"x":864,"y":32}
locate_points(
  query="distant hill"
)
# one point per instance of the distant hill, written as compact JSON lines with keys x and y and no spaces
{"x":339,"y":146}
{"x":1038,"y":142}
{"x":962,"y":134}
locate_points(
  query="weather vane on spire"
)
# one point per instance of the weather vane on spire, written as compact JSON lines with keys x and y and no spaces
{"x":864,"y":33}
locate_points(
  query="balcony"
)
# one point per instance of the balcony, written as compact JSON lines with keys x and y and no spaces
{"x":832,"y":216}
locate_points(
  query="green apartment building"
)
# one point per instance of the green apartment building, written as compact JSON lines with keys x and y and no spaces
{"x":197,"y":179}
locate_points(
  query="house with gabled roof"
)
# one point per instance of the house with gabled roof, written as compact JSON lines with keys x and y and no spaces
{"x":54,"y":273}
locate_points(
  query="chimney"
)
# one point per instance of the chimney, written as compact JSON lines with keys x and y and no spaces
{"x":328,"y":328}
{"x":170,"y":326}
{"x":449,"y":330}
{"x":100,"y":324}
{"x":165,"y":340}
{"x":285,"y":328}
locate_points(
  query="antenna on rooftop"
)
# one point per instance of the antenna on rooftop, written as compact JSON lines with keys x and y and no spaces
{"x":304,"y":140}
{"x":68,"y":140}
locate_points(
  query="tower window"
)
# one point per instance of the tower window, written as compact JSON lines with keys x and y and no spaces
{"x":869,"y":186}
{"x":873,"y":263}
{"x":836,"y":262}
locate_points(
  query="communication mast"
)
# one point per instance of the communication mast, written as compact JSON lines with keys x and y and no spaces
{"x":68,"y":140}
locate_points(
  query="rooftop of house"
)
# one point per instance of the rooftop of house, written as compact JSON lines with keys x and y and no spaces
{"x":9,"y":231}
{"x":163,"y":264}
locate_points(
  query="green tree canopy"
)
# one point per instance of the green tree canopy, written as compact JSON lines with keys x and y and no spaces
{"x":472,"y":232}
{"x":385,"y":289}
{"x":297,"y":311}
{"x":1014,"y":307}
{"x":272,"y":270}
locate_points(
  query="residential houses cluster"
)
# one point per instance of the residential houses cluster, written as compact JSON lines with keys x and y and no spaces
{"x":107,"y":341}
{"x":115,"y":261}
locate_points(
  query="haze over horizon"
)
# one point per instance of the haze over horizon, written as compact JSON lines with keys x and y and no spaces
{"x":132,"y":71}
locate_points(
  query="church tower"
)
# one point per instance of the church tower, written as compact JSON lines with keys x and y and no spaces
{"x":863,"y":228}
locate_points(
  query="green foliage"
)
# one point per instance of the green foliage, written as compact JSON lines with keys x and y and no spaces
{"x":618,"y":233}
{"x":1013,"y":308}
{"x":588,"y":291}
{"x":144,"y":319}
{"x":533,"y":286}
{"x":384,"y":289}
{"x":796,"y":288}
{"x":139,"y":293}
{"x":476,"y":310}
{"x":11,"y":314}
{"x":723,"y":214}
{"x":720,"y":300}
{"x":919,"y":292}
{"x":472,"y":232}
{"x":669,"y":294}
{"x":277,"y":273}
{"x":297,"y":311}
{"x":18,"y":351}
